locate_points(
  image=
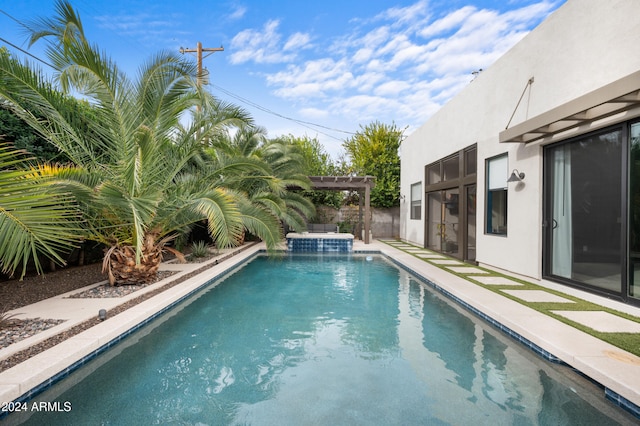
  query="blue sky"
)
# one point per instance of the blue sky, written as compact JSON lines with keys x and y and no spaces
{"x":321,"y":69}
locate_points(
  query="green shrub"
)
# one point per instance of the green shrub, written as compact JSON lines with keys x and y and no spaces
{"x":199,"y":249}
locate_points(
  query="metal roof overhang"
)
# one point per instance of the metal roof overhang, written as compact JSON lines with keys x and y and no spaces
{"x":614,"y":98}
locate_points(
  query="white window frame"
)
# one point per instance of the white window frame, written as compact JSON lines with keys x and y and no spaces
{"x":497,"y":172}
{"x":416,"y":201}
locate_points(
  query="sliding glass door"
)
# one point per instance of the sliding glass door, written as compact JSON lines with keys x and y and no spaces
{"x":471,"y":222}
{"x":634,"y":211}
{"x":584,"y":211}
{"x":443,"y":213}
{"x":434,"y":223}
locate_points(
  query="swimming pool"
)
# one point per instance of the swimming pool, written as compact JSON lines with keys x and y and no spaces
{"x":323,"y":340}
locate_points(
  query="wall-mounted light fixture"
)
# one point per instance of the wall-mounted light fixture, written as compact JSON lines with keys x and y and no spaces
{"x":402,"y":197}
{"x":516,"y":176}
{"x":102,"y":314}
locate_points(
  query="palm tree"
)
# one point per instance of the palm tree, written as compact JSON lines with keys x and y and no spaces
{"x":287,"y":163}
{"x":135,"y":177}
{"x":36,"y":217}
{"x":270,"y":170}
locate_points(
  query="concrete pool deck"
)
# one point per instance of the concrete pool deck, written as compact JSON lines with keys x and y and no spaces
{"x":616,"y":370}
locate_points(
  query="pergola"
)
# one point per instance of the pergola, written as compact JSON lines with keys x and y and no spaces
{"x":350,"y":183}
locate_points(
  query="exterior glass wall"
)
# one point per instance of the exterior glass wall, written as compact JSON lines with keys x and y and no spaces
{"x":584,"y":214}
{"x":434,"y":215}
{"x":634,"y":211}
{"x":471,"y":222}
{"x":450,"y":225}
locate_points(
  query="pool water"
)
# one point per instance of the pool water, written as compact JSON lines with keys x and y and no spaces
{"x":323,"y":340}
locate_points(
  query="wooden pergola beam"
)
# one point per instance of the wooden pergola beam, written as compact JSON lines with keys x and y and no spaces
{"x":349,"y":183}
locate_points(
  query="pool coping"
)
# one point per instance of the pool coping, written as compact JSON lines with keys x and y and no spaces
{"x":604,"y":364}
{"x":31,"y":377}
{"x":550,"y":338}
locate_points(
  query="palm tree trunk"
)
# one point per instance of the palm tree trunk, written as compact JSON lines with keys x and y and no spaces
{"x":120,"y":264}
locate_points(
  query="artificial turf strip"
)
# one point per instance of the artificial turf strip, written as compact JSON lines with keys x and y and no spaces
{"x":629,"y":342}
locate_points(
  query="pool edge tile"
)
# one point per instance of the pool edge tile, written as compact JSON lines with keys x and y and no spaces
{"x":48,"y":367}
{"x":241,"y":259}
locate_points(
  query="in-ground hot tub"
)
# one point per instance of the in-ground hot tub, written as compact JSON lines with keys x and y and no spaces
{"x":319,"y":242}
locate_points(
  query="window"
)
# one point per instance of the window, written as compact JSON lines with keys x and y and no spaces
{"x":433,"y":173}
{"x":470,"y":161}
{"x":416,"y":200}
{"x":451,"y":168}
{"x":496,"y":212}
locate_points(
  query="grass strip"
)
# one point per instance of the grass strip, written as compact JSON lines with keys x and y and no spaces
{"x":629,"y":342}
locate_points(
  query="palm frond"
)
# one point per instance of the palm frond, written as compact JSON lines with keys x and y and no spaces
{"x":35,"y":218}
{"x":220,"y":208}
{"x":261,"y":223}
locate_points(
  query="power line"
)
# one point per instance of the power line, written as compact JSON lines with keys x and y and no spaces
{"x":12,"y":18}
{"x":303,"y":123}
{"x":27,"y":53}
{"x":306,"y":124}
{"x":22,"y":24}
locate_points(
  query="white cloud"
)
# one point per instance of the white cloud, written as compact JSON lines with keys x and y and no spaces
{"x":362,"y":107}
{"x":237,"y":13}
{"x":376,"y":65}
{"x":376,"y":37}
{"x":368,"y":81}
{"x":314,"y":78}
{"x":401,"y":65}
{"x":151,"y":30}
{"x":477,"y":39}
{"x":139,"y":24}
{"x":261,"y":47}
{"x":447,"y":23}
{"x":363,"y":55}
{"x":407,"y":54}
{"x":297,"y":41}
{"x":392,"y":88}
{"x":405,"y":15}
{"x":301,"y":90}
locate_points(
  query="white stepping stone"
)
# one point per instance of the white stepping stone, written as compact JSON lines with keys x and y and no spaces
{"x":466,"y":270}
{"x":446,"y":262}
{"x":429,"y":256}
{"x":537,"y":296}
{"x":602,"y":321}
{"x":496,"y":281}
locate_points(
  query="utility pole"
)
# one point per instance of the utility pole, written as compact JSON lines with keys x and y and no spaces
{"x":198,"y":51}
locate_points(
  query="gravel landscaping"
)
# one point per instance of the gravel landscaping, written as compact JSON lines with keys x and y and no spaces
{"x":15,"y":294}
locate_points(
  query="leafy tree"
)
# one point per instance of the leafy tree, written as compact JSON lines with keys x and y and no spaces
{"x":137,"y":177}
{"x":21,"y":135}
{"x":14,"y":129}
{"x":316,"y":162}
{"x":374,"y":151}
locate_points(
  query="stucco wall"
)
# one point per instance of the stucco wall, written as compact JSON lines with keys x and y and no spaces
{"x":582,"y":46}
{"x":385,"y":223}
